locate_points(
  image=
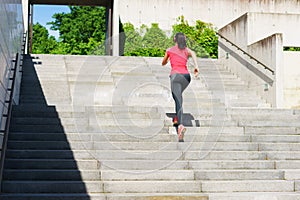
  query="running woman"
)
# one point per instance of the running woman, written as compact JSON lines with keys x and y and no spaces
{"x":179,"y":76}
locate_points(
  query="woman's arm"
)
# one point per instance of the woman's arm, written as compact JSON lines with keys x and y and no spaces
{"x":165,"y":59}
{"x":194,"y":57}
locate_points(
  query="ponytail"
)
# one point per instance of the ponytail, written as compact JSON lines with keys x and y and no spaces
{"x":181,"y":40}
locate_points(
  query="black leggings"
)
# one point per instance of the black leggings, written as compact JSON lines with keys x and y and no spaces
{"x":179,"y":83}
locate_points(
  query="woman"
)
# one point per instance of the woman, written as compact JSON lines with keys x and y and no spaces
{"x":179,"y":76}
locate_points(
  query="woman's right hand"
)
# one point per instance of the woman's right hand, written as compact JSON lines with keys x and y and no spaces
{"x":196,"y":72}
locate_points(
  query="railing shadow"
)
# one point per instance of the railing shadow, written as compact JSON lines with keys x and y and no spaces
{"x":188,"y":119}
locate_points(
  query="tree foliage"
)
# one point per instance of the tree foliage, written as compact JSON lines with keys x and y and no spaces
{"x":202,"y":37}
{"x":291,"y":48}
{"x":146,"y":41}
{"x":133,"y":39}
{"x":82,"y":32}
{"x":153,"y":41}
{"x":41,"y":42}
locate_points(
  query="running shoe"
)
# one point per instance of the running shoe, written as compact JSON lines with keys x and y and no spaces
{"x":175,"y":121}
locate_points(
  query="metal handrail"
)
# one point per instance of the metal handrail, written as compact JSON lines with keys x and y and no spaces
{"x":8,"y":117}
{"x":250,"y":56}
{"x":9,"y":110}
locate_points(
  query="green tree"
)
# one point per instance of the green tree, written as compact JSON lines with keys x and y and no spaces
{"x":155,"y":37}
{"x":153,"y":43}
{"x":291,"y":48}
{"x":82,"y":30}
{"x":41,"y":42}
{"x":133,"y":39}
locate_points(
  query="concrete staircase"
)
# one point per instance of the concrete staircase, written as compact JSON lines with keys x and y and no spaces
{"x":91,"y":127}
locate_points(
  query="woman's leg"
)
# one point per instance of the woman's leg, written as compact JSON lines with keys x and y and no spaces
{"x":179,"y":83}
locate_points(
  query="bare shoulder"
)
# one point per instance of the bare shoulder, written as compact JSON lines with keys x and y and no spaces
{"x":190,"y":52}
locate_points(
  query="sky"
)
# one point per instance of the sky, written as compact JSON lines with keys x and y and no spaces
{"x":43,"y":14}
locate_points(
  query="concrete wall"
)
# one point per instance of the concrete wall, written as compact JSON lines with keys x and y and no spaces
{"x":270,"y":52}
{"x":25,"y":10}
{"x":217,"y":12}
{"x":237,"y":31}
{"x":11,"y":35}
{"x":263,"y":35}
{"x":292,"y":79}
{"x":264,"y":24}
{"x":247,"y":69}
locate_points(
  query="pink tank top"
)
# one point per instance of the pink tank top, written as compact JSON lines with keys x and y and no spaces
{"x":178,"y":60}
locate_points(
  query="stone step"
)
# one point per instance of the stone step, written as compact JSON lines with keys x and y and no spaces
{"x":240,"y":104}
{"x":272,"y":130}
{"x":232,"y":164}
{"x":283,"y":155}
{"x":123,"y":145}
{"x":137,"y":116}
{"x":144,"y":109}
{"x":36,"y":108}
{"x":128,"y":165}
{"x":111,"y":196}
{"x":51,"y":196}
{"x":96,"y":127}
{"x":40,"y":114}
{"x":248,"y":112}
{"x":248,"y":186}
{"x":130,"y":120}
{"x":150,"y":154}
{"x":152,"y":186}
{"x":39,"y":121}
{"x":52,"y":187}
{"x":48,"y":154}
{"x":51,"y":175}
{"x":157,"y":100}
{"x":271,"y":155}
{"x":279,"y":146}
{"x":88,"y":137}
{"x":292,"y":174}
{"x":149,"y":123}
{"x":243,"y":175}
{"x":269,"y":123}
{"x":140,"y":175}
{"x":40,"y":128}
{"x":254,"y":196}
{"x":54,"y":100}
{"x":126,"y":136}
{"x":287,"y":164}
{"x":91,"y":78}
{"x":51,"y":78}
{"x":194,"y":175}
{"x":225,"y":155}
{"x":152,"y":165}
{"x":51,"y":164}
{"x":291,"y":139}
{"x":263,"y":116}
